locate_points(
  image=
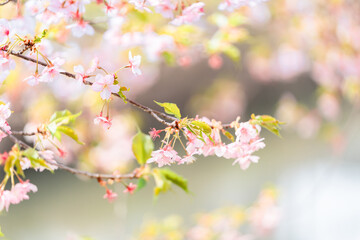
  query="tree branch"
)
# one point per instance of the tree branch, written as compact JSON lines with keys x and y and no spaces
{"x":6,"y":2}
{"x":24,"y":145}
{"x":154,"y":113}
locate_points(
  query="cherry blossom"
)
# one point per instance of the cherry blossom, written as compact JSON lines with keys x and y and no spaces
{"x":135,"y":63}
{"x":165,"y":156}
{"x":6,"y":63}
{"x":81,"y":28}
{"x":110,"y":195}
{"x":105,"y":85}
{"x":130,"y":188}
{"x":104,"y":121}
{"x":140,"y":5}
{"x":4,"y":31}
{"x":247,"y":132}
{"x":231,"y":5}
{"x":80,"y":73}
{"x":190,"y":14}
{"x":33,"y":79}
{"x":52,"y":71}
{"x":187,"y":159}
{"x":5,"y":112}
{"x":154,"y":133}
{"x":164,"y":7}
{"x":17,"y":194}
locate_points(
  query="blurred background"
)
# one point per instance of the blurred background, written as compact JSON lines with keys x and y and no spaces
{"x":296,"y":60}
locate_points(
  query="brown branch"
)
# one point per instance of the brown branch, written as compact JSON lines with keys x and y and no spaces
{"x":24,"y":145}
{"x":154,"y":113}
{"x":22,"y":133}
{"x":6,"y":2}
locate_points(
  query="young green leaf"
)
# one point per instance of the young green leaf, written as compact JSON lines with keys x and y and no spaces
{"x":142,"y":147}
{"x":170,"y":108}
{"x":141,"y":184}
{"x":70,"y":132}
{"x":162,"y":184}
{"x":35,"y":159}
{"x":203,"y":126}
{"x":63,"y":117}
{"x":268,"y":122}
{"x":175,"y":178}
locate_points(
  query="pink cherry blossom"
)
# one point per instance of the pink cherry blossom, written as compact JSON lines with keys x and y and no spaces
{"x":4,"y":31}
{"x":5,"y":200}
{"x":164,"y":7}
{"x":187,"y":159}
{"x":135,"y":63}
{"x":6,"y":63}
{"x":17,"y":194}
{"x":140,"y":5}
{"x":231,"y":5}
{"x":110,"y":195}
{"x":246,"y":132}
{"x":164,"y":156}
{"x":190,"y":14}
{"x":93,"y":65}
{"x":52,"y":71}
{"x":104,"y":121}
{"x":81,"y":28}
{"x":130,"y":188}
{"x":49,"y":157}
{"x":80,"y":74}
{"x":61,"y":152}
{"x":154,"y":133}
{"x":5,"y":113}
{"x":33,"y":79}
{"x":105,"y":85}
{"x":3,"y":157}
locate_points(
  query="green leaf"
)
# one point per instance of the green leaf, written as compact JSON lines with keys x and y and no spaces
{"x":69,"y":132}
{"x":169,"y":58}
{"x":1,"y":234}
{"x":142,"y":147}
{"x":232,"y":52}
{"x":268,"y":122}
{"x":35,"y":160}
{"x":204,"y":127}
{"x":57,"y":122}
{"x":121,"y":94}
{"x":19,"y":168}
{"x":162,"y":184}
{"x":170,"y":108}
{"x":141,"y":184}
{"x":175,"y":178}
{"x":229,"y":135}
{"x":9,"y":164}
{"x":63,"y":117}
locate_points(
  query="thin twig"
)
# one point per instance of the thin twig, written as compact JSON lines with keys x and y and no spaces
{"x":6,"y":2}
{"x":132,"y":102}
{"x":24,"y":145}
{"x":22,"y":133}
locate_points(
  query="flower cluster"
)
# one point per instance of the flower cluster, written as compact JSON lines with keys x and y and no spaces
{"x":50,"y":73}
{"x":17,"y":194}
{"x":247,"y":142}
{"x":5,"y":113}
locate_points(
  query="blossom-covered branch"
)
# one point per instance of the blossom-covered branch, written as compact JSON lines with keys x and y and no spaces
{"x":152,"y":112}
{"x":67,"y":168}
